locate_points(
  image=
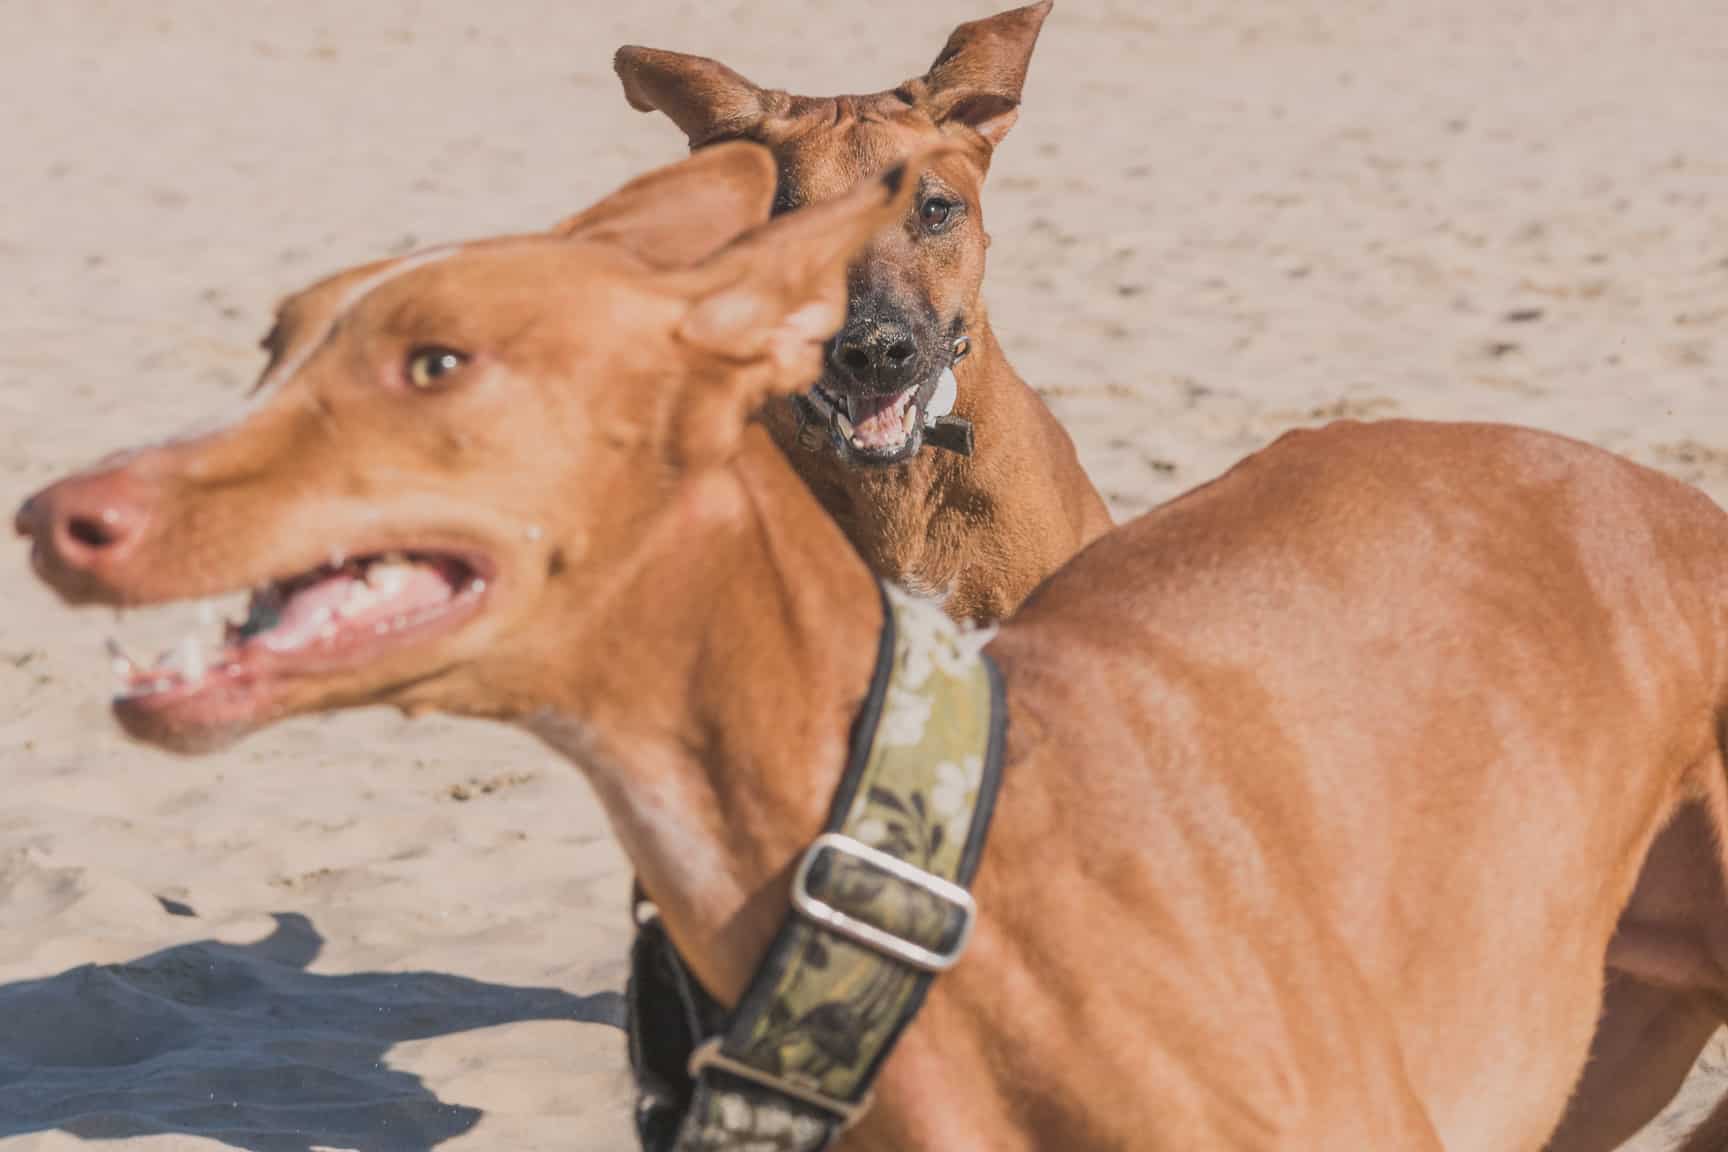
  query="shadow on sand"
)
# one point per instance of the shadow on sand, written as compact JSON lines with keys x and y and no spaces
{"x":241,"y":1044}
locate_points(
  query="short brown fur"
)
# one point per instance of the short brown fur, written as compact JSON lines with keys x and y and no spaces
{"x":980,"y":532}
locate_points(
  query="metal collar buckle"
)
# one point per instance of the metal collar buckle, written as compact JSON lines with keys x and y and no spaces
{"x":709,"y":1055}
{"x":869,"y":935}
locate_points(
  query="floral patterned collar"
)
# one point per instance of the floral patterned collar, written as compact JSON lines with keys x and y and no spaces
{"x":879,"y":908}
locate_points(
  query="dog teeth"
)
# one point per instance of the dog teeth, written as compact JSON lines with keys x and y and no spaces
{"x":191,"y":660}
{"x":121,"y":658}
{"x":124,"y":667}
{"x":185,"y":661}
{"x":387,"y":578}
{"x":909,"y":420}
{"x":846,"y":428}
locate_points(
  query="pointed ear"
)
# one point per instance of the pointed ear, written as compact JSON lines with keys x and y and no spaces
{"x":976,"y":81}
{"x":680,"y":215}
{"x":703,"y":97}
{"x":762,"y":310}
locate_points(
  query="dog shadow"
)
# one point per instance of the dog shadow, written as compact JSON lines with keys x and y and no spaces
{"x":239,"y":1043}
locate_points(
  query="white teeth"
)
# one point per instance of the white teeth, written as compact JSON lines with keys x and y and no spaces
{"x":387,"y":579}
{"x":125,"y":668}
{"x":190,"y":657}
{"x":846,"y":428}
{"x":122,"y":660}
{"x":206,"y":613}
{"x":909,"y":420}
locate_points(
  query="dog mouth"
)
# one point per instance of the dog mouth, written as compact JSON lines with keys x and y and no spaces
{"x":341,"y":616}
{"x":882,"y":429}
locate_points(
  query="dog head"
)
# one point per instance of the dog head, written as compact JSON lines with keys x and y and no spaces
{"x":457,"y":463}
{"x":913,"y":292}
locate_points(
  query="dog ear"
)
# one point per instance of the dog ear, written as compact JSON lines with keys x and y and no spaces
{"x":976,"y":80}
{"x":706,"y":99}
{"x":762,"y":311}
{"x":680,"y":215}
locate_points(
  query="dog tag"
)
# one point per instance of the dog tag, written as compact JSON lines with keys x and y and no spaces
{"x":943,"y":399}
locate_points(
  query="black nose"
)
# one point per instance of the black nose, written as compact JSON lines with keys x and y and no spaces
{"x":877,"y":351}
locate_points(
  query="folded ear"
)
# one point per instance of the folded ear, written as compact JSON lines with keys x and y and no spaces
{"x":976,"y":81}
{"x":703,"y":97}
{"x":761,"y":311}
{"x":680,"y":215}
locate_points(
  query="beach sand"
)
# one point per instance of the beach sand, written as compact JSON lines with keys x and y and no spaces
{"x":1213,"y":222}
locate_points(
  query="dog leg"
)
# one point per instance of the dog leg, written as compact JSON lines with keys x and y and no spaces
{"x":1645,"y":1045}
{"x":1667,"y":990}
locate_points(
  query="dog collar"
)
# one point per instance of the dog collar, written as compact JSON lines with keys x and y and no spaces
{"x":879,"y":907}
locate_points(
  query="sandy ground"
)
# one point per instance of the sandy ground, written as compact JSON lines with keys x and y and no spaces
{"x":1215,"y":221}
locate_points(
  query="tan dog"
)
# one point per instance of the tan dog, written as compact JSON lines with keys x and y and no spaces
{"x":1326,"y":784}
{"x":978,"y":531}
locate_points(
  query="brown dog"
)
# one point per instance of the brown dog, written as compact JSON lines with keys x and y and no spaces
{"x":978,"y":531}
{"x":1326,"y":784}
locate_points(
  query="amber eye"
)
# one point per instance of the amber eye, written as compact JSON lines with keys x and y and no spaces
{"x":430,"y":368}
{"x":935,"y":212}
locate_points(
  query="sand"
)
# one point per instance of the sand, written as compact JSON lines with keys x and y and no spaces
{"x":1214,"y":222}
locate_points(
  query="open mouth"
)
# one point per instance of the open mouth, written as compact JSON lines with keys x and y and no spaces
{"x":339,"y":616}
{"x":882,"y":428}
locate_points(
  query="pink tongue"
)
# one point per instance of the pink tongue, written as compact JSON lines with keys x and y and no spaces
{"x":878,"y":423}
{"x":424,"y":588}
{"x":308,"y":610}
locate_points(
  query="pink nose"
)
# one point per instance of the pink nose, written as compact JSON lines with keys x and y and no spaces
{"x":85,"y":527}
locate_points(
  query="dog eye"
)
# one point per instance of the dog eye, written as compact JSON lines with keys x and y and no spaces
{"x":430,"y":368}
{"x":935,"y":213}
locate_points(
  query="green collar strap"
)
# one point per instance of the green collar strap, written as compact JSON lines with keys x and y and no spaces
{"x":879,"y":908}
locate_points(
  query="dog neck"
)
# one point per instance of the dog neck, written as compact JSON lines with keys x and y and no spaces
{"x":715,"y":728}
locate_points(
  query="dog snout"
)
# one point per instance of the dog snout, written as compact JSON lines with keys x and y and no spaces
{"x":879,"y":352}
{"x":84,"y":529}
